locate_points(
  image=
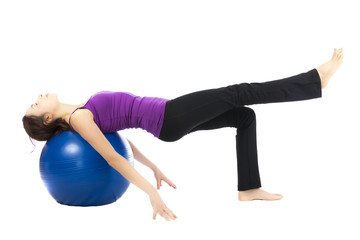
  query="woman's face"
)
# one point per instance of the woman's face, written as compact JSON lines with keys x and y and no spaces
{"x":43,"y":104}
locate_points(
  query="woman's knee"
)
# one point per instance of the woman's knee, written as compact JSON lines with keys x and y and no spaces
{"x":246,"y":117}
{"x":251,"y":113}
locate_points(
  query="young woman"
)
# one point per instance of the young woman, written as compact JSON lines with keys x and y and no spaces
{"x":170,"y":120}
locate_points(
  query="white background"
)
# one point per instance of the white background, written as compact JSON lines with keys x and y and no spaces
{"x":308,"y":151}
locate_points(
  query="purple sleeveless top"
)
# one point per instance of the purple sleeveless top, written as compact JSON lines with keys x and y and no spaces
{"x":114,"y":111}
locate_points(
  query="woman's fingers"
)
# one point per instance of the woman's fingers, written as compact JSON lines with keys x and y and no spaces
{"x":160,"y":207}
{"x":165,"y":213}
{"x":171,"y":184}
{"x":170,"y":214}
{"x":158,"y":182}
{"x":161,"y":177}
{"x":162,"y":214}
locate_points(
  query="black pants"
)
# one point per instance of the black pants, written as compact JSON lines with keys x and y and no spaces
{"x":224,"y":107}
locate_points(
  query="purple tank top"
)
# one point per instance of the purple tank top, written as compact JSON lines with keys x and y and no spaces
{"x":114,"y":111}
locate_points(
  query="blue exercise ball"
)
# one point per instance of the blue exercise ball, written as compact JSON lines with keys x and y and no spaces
{"x":76,"y":174}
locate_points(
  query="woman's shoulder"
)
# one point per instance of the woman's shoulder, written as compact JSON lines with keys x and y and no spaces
{"x":81,"y":120}
{"x":82,"y":113}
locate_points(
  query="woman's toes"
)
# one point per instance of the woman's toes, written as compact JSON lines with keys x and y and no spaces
{"x":279,"y":195}
{"x":334,"y":54}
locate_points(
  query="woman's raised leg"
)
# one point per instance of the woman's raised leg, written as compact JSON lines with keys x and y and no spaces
{"x":184,"y":113}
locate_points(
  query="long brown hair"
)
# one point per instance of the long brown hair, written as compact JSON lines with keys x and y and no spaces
{"x":36,"y":129}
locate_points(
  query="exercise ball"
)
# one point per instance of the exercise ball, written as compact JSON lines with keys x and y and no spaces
{"x":75,"y":174}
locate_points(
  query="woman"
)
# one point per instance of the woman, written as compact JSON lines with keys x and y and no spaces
{"x":170,"y":120}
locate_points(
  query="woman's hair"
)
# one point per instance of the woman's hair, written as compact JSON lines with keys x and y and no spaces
{"x":36,"y":129}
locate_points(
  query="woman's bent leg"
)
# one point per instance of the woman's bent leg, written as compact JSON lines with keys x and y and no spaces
{"x":244,"y":119}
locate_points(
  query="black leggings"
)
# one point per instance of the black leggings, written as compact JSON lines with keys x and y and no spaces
{"x":224,"y":107}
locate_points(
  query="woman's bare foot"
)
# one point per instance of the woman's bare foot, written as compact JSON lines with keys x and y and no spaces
{"x":329,"y":68}
{"x":258,"y":194}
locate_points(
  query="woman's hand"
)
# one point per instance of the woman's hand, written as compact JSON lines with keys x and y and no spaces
{"x":161,"y":177}
{"x":160,"y":207}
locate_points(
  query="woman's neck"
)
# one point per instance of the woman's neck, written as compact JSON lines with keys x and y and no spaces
{"x":64,"y":111}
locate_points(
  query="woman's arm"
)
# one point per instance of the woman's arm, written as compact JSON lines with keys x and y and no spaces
{"x":159,"y":176}
{"x":83,"y":123}
{"x":141,"y":157}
